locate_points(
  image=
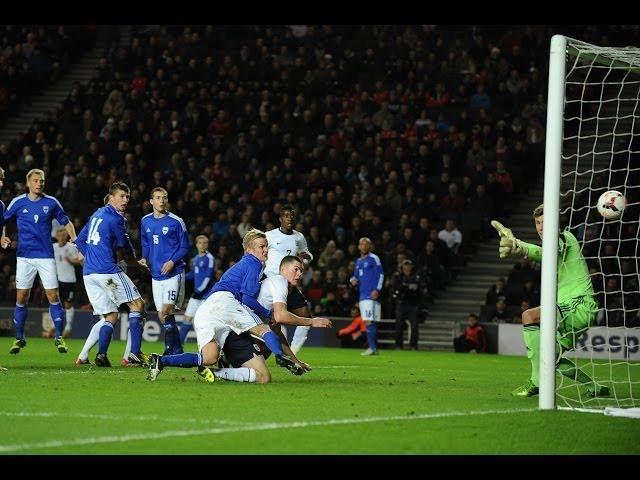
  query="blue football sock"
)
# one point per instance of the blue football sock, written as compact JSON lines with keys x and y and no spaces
{"x":372,"y":335}
{"x":273,"y":342}
{"x":106,"y":331}
{"x":168,"y":337}
{"x":19,"y":317}
{"x":176,"y":345}
{"x":184,"y":331}
{"x":135,"y":328}
{"x":57,"y":317}
{"x":183,"y":360}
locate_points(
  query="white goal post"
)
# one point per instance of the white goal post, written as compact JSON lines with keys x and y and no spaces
{"x":593,"y":145}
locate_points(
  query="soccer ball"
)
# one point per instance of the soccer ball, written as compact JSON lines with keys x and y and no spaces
{"x":611,"y":204}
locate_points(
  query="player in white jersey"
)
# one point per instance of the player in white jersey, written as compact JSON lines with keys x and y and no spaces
{"x":248,"y":360}
{"x":66,"y":256}
{"x":284,"y":241}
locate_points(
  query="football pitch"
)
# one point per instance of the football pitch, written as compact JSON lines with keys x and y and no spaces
{"x":400,"y":402}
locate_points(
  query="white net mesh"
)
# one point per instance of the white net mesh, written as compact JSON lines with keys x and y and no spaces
{"x":601,"y":151}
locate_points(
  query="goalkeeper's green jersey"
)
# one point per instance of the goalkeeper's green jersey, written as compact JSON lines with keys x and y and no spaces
{"x":573,"y":274}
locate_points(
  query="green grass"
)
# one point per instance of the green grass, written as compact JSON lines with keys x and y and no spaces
{"x":400,"y":402}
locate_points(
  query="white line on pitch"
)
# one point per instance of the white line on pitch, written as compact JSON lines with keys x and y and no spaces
{"x":250,"y":427}
{"x":98,"y":416}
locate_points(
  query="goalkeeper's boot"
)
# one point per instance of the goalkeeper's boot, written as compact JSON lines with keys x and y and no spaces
{"x":598,"y":391}
{"x":155,"y":367}
{"x":61,"y":345}
{"x":526,"y":390}
{"x":138,"y":360}
{"x":79,"y":362}
{"x":2,"y":369}
{"x":17,"y":345}
{"x":287,"y":362}
{"x":206,"y":374}
{"x":102,"y":360}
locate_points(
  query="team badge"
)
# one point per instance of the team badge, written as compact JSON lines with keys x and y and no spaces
{"x":165,"y":230}
{"x":45,"y":209}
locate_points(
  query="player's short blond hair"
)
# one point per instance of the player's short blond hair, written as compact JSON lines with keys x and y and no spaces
{"x":539,"y":211}
{"x":61,"y":229}
{"x":158,"y":189}
{"x":202,"y":237}
{"x":250,"y":236}
{"x":1,"y":173}
{"x":35,"y":171}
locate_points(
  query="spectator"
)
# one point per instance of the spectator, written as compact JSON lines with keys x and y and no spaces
{"x":451,"y":236}
{"x":495,"y":291}
{"x":473,"y":339}
{"x":498,"y":313}
{"x":354,"y":334}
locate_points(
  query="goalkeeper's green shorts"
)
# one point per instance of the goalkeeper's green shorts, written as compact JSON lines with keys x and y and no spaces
{"x":573,"y":319}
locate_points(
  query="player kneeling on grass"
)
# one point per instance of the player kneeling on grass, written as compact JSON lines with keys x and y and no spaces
{"x":274,"y":292}
{"x":576,"y":306}
{"x":232,"y":305}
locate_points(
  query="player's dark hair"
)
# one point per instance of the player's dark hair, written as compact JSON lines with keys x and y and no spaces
{"x":289,"y":259}
{"x":287,"y":208}
{"x":115,"y":186}
{"x":473,"y":315}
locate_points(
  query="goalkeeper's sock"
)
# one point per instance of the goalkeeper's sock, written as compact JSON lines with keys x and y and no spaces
{"x":531,"y":334}
{"x":92,"y":339}
{"x":569,"y":369}
{"x":184,"y":331}
{"x":372,"y":336}
{"x":243,"y":374}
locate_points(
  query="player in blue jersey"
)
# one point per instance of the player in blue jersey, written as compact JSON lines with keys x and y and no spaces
{"x":3,"y":238}
{"x":34,"y":212}
{"x":165,"y":243}
{"x":231,"y":306}
{"x":202,"y":273}
{"x":106,"y":284}
{"x":369,"y":276}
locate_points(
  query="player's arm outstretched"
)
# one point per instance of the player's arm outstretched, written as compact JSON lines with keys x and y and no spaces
{"x":510,"y":246}
{"x":284,"y":317}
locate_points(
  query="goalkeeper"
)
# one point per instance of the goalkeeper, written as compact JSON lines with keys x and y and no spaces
{"x":576,"y":306}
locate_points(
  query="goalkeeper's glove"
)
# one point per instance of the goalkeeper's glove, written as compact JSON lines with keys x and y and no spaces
{"x":509,"y":244}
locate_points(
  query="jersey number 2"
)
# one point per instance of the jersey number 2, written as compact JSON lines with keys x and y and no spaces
{"x":94,"y":235}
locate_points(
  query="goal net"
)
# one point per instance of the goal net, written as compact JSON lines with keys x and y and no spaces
{"x":600,"y":151}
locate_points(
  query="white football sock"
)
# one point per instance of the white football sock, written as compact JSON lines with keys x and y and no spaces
{"x":127,"y":349}
{"x":243,"y":374}
{"x":299,"y":337}
{"x":69,"y":313}
{"x":92,"y":339}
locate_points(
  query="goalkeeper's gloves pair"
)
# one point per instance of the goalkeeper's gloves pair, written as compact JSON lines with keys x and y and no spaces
{"x":509,"y":244}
